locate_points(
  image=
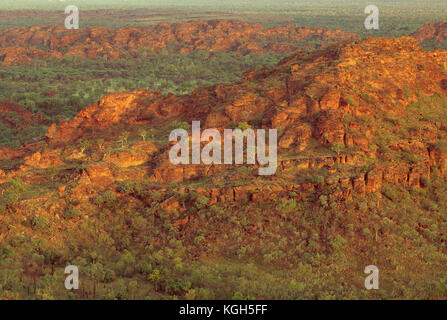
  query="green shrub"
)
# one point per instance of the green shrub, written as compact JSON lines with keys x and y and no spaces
{"x":317,"y":179}
{"x":108,"y":198}
{"x":351,"y":101}
{"x":132,"y":188}
{"x":179,"y":125}
{"x":156,"y":196}
{"x":410,"y":157}
{"x":339,"y":242}
{"x":311,"y":93}
{"x":193,"y":195}
{"x":127,"y":188}
{"x":71,"y":212}
{"x":199,"y":240}
{"x":243,"y":126}
{"x":238,"y":296}
{"x":425,"y":182}
{"x":338,"y":147}
{"x":286,"y":205}
{"x":429,"y":205}
{"x":323,"y":201}
{"x":390,"y":193}
{"x":38,"y":222}
{"x":202,"y":202}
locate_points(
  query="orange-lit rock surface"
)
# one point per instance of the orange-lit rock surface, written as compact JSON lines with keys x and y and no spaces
{"x":431,"y":31}
{"x":354,"y":116}
{"x":21,"y":45}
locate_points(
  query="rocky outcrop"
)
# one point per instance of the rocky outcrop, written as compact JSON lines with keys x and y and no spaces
{"x":44,"y":159}
{"x":372,"y":115}
{"x":124,"y":107}
{"x":137,"y":155}
{"x":21,"y":45}
{"x":431,"y":31}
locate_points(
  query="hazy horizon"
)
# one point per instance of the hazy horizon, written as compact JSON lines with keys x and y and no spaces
{"x":252,"y":5}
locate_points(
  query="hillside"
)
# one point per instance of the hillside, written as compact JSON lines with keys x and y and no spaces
{"x":431,"y":35}
{"x":366,"y":96}
{"x":362,"y":160}
{"x":22,"y":45}
{"x":56,"y":72}
{"x":15,"y":121}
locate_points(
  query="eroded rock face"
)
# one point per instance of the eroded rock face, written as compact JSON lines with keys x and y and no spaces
{"x":297,"y":136}
{"x":123,"y":107}
{"x":138,"y":155}
{"x":246,"y":107}
{"x":2,"y":176}
{"x":44,"y":159}
{"x":431,"y":31}
{"x":21,"y":45}
{"x":19,"y":56}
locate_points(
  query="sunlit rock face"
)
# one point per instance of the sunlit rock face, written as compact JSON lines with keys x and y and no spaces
{"x":22,"y":45}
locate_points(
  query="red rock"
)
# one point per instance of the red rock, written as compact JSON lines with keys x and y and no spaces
{"x":19,"y":45}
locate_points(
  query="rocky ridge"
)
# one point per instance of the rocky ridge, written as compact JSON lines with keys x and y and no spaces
{"x":431,"y":31}
{"x":353,"y":119}
{"x":22,"y":45}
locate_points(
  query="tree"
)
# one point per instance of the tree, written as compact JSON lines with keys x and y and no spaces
{"x":132,"y":287}
{"x":84,"y":145}
{"x":143,"y":133}
{"x":202,"y":202}
{"x":126,"y":264}
{"x":338,"y":147}
{"x":123,"y":137}
{"x":100,"y":143}
{"x":96,"y":273}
